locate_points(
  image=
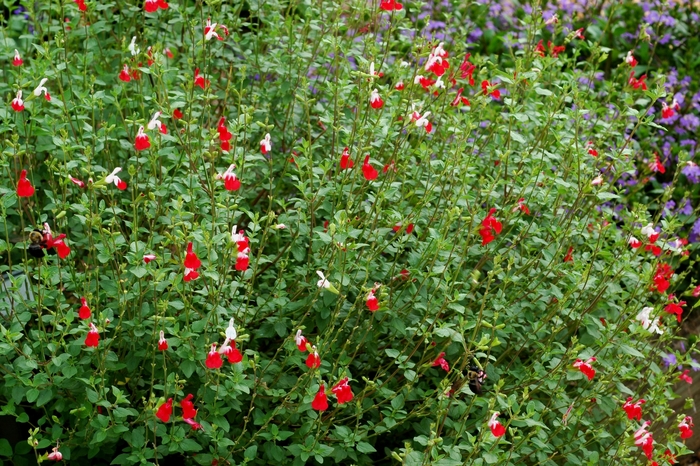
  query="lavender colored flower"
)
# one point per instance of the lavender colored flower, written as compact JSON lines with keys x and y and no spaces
{"x":685,"y":207}
{"x":670,"y":359}
{"x":692,"y":172}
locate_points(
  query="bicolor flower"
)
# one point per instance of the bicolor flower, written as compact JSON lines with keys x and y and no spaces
{"x":630,"y":60}
{"x":313,"y":360}
{"x":93,"y":337}
{"x":644,"y":439}
{"x":192,"y":263}
{"x":199,"y":79}
{"x":133,"y":48}
{"x":214,"y":360}
{"x":490,"y":227}
{"x":585,"y":367}
{"x":240,"y":239}
{"x":656,"y":166}
{"x":342,"y":391}
{"x":148,"y":258}
{"x":17,"y":103}
{"x":76,"y":181}
{"x":40,"y":88}
{"x":142,"y":142}
{"x":442,"y":362}
{"x":165,"y":410}
{"x":437,"y":61}
{"x":368,"y":171}
{"x":597,"y":181}
{"x":399,"y":86}
{"x":633,"y":410}
{"x":84,"y":311}
{"x":667,"y":111}
{"x":645,"y":320}
{"x":242,"y":259}
{"x":591,"y":149}
{"x":324,"y":283}
{"x":265,"y":144}
{"x":156,"y":123}
{"x":113,"y":178}
{"x":301,"y":341}
{"x":58,"y":244}
{"x":579,"y":34}
{"x":459,"y":98}
{"x":375,"y":101}
{"x":17,"y":61}
{"x":231,"y":182}
{"x":162,"y":342}
{"x":390,"y":5}
{"x":634,"y":242}
{"x":553,"y":20}
{"x":422,"y":121}
{"x":55,"y":455}
{"x":497,"y":428}
{"x":345,"y":160}
{"x":24,"y":186}
{"x":373,"y":73}
{"x":372,"y":301}
{"x":686,"y":427}
{"x":188,"y":412}
{"x":125,"y":75}
{"x":210,"y":30}
{"x":521,"y":207}
{"x":423,"y":81}
{"x":320,"y":402}
{"x":637,"y":83}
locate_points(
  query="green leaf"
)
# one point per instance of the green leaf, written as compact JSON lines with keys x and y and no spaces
{"x":5,"y":448}
{"x":364,"y":447}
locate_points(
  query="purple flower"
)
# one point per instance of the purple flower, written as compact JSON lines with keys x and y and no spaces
{"x":670,"y":359}
{"x":686,"y":208}
{"x":692,"y":172}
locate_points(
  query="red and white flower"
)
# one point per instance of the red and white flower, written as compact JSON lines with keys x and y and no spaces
{"x":579,"y":34}
{"x":497,"y":428}
{"x":634,"y":242}
{"x":113,"y":178}
{"x":342,"y":391}
{"x":375,"y":100}
{"x":372,"y":301}
{"x":667,"y":111}
{"x":162,"y":342}
{"x":586,"y":367}
{"x":57,"y":243}
{"x":93,"y":337}
{"x":125,"y":75}
{"x":265,"y":144}
{"x":84,"y":311}
{"x":345,"y":160}
{"x":644,"y":439}
{"x":437,"y":61}
{"x":422,"y":120}
{"x":313,"y":360}
{"x":156,"y":123}
{"x":141,"y":142}
{"x":213,"y":360}
{"x":241,"y":240}
{"x":686,"y":427}
{"x":76,"y":181}
{"x":40,"y":88}
{"x":231,"y":182}
{"x":148,"y":258}
{"x":645,"y":320}
{"x":442,"y":362}
{"x":17,"y":61}
{"x":55,"y":455}
{"x":17,"y":103}
{"x":301,"y":341}
{"x":459,"y":98}
{"x":192,"y":263}
{"x":630,"y":60}
{"x":210,"y":30}
{"x":399,"y":86}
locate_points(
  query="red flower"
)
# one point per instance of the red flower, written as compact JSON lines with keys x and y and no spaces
{"x":240,"y":239}
{"x":555,"y":50}
{"x":437,"y":61}
{"x":390,"y":5}
{"x":369,"y":172}
{"x":342,"y":391}
{"x":522,"y":207}
{"x":459,"y":98}
{"x":84,"y":311}
{"x":17,"y":103}
{"x":656,"y":166}
{"x":442,"y":362}
{"x":77,"y":182}
{"x":265,"y":144}
{"x":634,"y":242}
{"x":643,"y":438}
{"x":661,"y":277}
{"x":638,"y":83}
{"x":188,"y":411}
{"x":192,"y":263}
{"x":165,"y":410}
{"x":497,"y":428}
{"x":24,"y":186}
{"x":345,"y":160}
{"x":113,"y":178}
{"x":579,"y":34}
{"x":675,"y":308}
{"x":320,"y":402}
{"x":214,"y":360}
{"x":585,"y":367}
{"x":667,"y":111}
{"x":151,"y":6}
{"x":162,"y":343}
{"x":232,"y":353}
{"x":301,"y":341}
{"x":467,"y":68}
{"x":231,"y":182}
{"x":630,"y":60}
{"x":125,"y":75}
{"x":375,"y":101}
{"x":685,"y":426}
{"x":485,"y":85}
{"x":696,"y":291}
{"x":93,"y":336}
{"x":141,"y":142}
{"x":399,"y":86}
{"x":569,"y":257}
{"x":539,"y":49}
{"x":372,"y":301}
{"x":670,"y":456}
{"x":422,"y":121}
{"x":490,"y":227}
{"x":55,"y":455}
{"x":17,"y":61}
{"x":199,"y":79}
{"x":81,"y":5}
{"x":242,"y":260}
{"x":685,"y":377}
{"x":148,"y":258}
{"x":423,"y":81}
{"x":633,"y":410}
{"x":313,"y":361}
{"x":177,"y":114}
{"x":56,"y":243}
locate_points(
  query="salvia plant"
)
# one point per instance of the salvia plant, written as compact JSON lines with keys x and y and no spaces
{"x":359,"y":232}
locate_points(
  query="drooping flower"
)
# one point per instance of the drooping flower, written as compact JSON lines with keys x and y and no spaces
{"x":497,"y":429}
{"x":165,"y":411}
{"x":40,"y":88}
{"x":17,"y":61}
{"x":488,"y":89}
{"x":320,"y":402}
{"x":460,"y":99}
{"x":345,"y":160}
{"x":585,"y":367}
{"x":113,"y":178}
{"x":214,"y":360}
{"x":422,"y":121}
{"x":579,"y":34}
{"x":84,"y":311}
{"x":675,"y":308}
{"x":231,"y":182}
{"x":342,"y":391}
{"x":24,"y":186}
{"x":375,"y":100}
{"x":125,"y":75}
{"x":667,"y":111}
{"x":644,"y":439}
{"x":199,"y":79}
{"x":156,"y":123}
{"x":370,"y":173}
{"x":76,"y":181}
{"x":322,"y":283}
{"x":58,"y":244}
{"x":634,"y":242}
{"x":399,"y":86}
{"x":685,"y":377}
{"x":442,"y":362}
{"x":630,"y":60}
{"x":644,"y":318}
{"x":141,"y":142}
{"x":210,"y":30}
{"x":313,"y":360}
{"x":93,"y":337}
{"x":17,"y":103}
{"x":686,"y":427}
{"x":265,"y":144}
{"x":490,"y":227}
{"x":162,"y":342}
{"x":301,"y":341}
{"x":637,"y":83}
{"x":148,"y":258}
{"x":55,"y":455}
{"x":633,"y":410}
{"x":192,"y":263}
{"x":372,"y":301}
